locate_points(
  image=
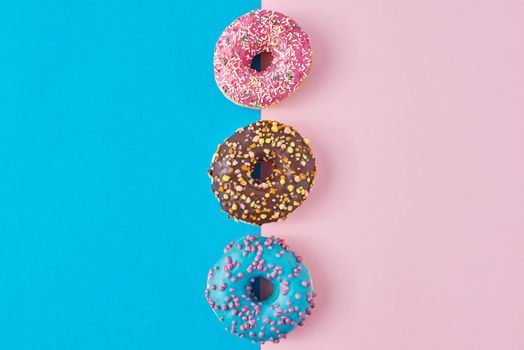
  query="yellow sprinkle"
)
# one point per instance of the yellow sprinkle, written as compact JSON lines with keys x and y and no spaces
{"x":290,"y":149}
{"x":226,"y":178}
{"x":290,"y":188}
{"x":266,"y":151}
{"x":234,"y":206}
{"x":226,"y":196}
{"x":263,"y":216}
{"x":282,"y":206}
{"x":261,"y":141}
{"x":282,"y":181}
{"x":306,"y":141}
{"x":268,"y":140}
{"x":274,"y":128}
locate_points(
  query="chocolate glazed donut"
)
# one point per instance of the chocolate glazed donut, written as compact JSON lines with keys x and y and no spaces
{"x":261,"y":200}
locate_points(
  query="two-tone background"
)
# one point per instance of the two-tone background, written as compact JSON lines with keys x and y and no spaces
{"x":414,"y":231}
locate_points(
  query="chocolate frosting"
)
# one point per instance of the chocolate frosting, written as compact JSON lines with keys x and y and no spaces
{"x":259,"y":201}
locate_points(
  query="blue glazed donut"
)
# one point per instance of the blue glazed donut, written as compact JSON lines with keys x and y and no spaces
{"x":231,"y":281}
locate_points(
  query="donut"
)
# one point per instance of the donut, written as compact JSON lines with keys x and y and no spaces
{"x":259,"y":201}
{"x":254,"y":33}
{"x":230,"y":289}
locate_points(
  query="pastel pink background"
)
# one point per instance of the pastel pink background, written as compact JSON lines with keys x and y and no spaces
{"x":414,"y":231}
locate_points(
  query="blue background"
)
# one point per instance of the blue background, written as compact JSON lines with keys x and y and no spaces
{"x":109,"y":116}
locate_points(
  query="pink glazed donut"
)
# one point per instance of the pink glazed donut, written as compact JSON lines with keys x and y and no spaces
{"x":254,"y":33}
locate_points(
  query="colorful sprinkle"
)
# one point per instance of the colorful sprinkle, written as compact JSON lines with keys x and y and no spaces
{"x":254,"y":33}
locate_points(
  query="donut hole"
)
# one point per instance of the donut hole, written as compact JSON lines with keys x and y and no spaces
{"x":261,"y":288}
{"x":262,"y":170}
{"x":262,"y":61}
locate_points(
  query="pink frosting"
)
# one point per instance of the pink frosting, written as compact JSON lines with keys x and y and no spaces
{"x":249,"y":35}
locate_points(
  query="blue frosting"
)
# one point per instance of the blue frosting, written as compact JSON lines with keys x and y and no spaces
{"x":230,"y":283}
